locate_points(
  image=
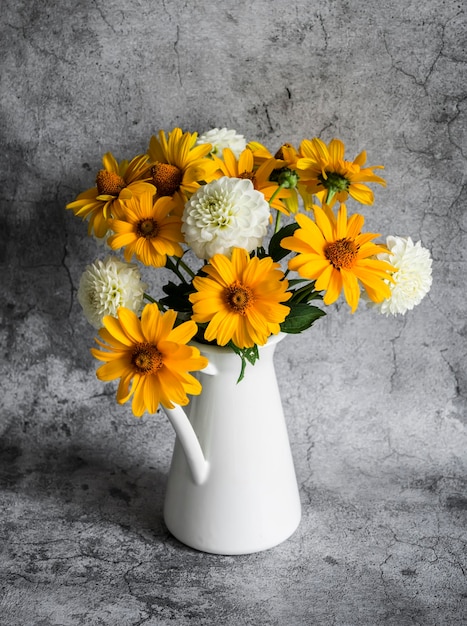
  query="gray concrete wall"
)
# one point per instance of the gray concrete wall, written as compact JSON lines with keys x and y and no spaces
{"x":375,"y":406}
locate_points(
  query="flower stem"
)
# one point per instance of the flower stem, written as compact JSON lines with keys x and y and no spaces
{"x":277,"y":225}
{"x":330,"y":195}
{"x":275,"y":194}
{"x":174,"y":268}
{"x":151,"y":299}
{"x":187,"y":269}
{"x":278,"y":213}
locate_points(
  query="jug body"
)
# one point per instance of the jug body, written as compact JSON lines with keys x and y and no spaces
{"x":249,"y":499}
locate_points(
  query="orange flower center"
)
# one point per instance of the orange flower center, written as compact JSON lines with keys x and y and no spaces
{"x":147,"y":228}
{"x":166,"y":178}
{"x":238,"y":297}
{"x":341,"y":253}
{"x":109,"y":183}
{"x":250,"y":176}
{"x":146,"y":358}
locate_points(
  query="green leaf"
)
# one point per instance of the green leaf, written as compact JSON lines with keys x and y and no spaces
{"x":177,"y":297}
{"x":297,"y":281}
{"x":276,"y":251}
{"x":305,"y":293}
{"x":250,"y":355}
{"x":301,"y":317}
{"x":261,"y":252}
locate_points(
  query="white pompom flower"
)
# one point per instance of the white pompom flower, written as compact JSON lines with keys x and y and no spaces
{"x":224,"y":214}
{"x":221,"y":138}
{"x":107,"y":285}
{"x":413,"y":277}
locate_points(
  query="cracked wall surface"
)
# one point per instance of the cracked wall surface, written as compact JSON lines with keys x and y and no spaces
{"x":375,"y":406}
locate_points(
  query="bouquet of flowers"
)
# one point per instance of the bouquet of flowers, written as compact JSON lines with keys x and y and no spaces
{"x":254,"y":241}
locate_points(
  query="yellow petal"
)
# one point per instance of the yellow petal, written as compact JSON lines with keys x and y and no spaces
{"x":341,"y":226}
{"x":336,"y":151}
{"x":351,"y":289}
{"x":151,"y":393}
{"x":112,"y":370}
{"x":130,"y":325}
{"x":110,"y":163}
{"x":138,"y":406}
{"x":151,"y":322}
{"x":322,"y":283}
{"x":361,"y":193}
{"x":123,"y":391}
{"x":184,"y":332}
{"x":115,"y":329}
{"x":221,"y":328}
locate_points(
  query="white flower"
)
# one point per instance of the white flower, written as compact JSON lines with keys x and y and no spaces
{"x":224,"y":214}
{"x":221,"y":138}
{"x":107,"y":285}
{"x":412,"y":278}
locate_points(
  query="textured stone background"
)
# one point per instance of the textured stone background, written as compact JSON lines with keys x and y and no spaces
{"x":376,"y":407}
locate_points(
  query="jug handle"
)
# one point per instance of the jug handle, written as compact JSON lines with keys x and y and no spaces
{"x":184,"y":430}
{"x":196,"y":461}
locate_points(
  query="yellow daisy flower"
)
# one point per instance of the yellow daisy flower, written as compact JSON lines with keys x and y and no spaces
{"x":179,"y":165}
{"x":326,"y":174}
{"x":244,"y":167}
{"x":338,"y":255}
{"x":114,"y":184}
{"x":147,"y":230}
{"x":285,"y":171}
{"x":241,"y":299}
{"x":150,"y":354}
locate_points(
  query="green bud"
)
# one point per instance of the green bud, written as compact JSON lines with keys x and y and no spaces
{"x":285,"y":177}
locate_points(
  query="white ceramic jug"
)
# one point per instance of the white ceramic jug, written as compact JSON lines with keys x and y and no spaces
{"x":232,"y":487}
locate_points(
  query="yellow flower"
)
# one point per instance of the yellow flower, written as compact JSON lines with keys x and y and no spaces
{"x":150,"y":354}
{"x":337,"y":254}
{"x":179,"y":165}
{"x":114,"y":184}
{"x":240,"y":298}
{"x":145,"y":229}
{"x":244,"y":167}
{"x":285,"y":171}
{"x":327,"y":175}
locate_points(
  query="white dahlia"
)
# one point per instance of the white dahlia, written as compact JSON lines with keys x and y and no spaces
{"x":107,"y":285}
{"x":224,"y":214}
{"x":221,"y":138}
{"x":412,"y":278}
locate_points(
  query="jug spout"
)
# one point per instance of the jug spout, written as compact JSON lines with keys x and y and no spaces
{"x":196,"y":461}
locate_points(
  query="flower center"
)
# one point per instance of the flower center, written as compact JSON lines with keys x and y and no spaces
{"x":215,"y":211}
{"x":341,"y":253}
{"x":167,"y":178}
{"x":250,"y":176}
{"x":109,"y":183}
{"x":238,"y":297}
{"x":146,"y":358}
{"x":147,"y":228}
